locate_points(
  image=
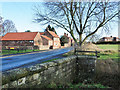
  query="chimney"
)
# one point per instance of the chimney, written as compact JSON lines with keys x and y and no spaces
{"x":67,"y":34}
{"x":47,"y":29}
{"x":64,"y":34}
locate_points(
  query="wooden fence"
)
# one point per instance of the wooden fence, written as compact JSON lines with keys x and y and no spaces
{"x":96,"y":52}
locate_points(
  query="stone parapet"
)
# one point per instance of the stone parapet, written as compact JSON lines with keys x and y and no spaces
{"x":58,"y":71}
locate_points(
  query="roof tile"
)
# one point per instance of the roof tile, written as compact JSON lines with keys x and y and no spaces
{"x":41,"y":33}
{"x":53,"y":34}
{"x":20,"y":36}
{"x":46,"y":37}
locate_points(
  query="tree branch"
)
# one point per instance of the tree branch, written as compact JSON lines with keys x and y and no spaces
{"x":71,"y":12}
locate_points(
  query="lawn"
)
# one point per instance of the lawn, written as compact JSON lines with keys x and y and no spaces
{"x":110,"y":51}
{"x":108,"y":46}
{"x":7,"y":52}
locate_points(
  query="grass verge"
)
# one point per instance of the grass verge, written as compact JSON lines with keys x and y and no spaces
{"x":108,"y":52}
{"x":79,"y":85}
{"x":7,"y":52}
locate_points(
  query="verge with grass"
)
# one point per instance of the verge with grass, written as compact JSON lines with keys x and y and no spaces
{"x":107,"y":51}
{"x":110,"y":52}
{"x":79,"y":85}
{"x":7,"y":52}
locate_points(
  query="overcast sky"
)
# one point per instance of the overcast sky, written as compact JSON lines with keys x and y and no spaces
{"x":22,"y":14}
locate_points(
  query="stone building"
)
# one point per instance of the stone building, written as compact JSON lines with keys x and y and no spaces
{"x":46,"y":42}
{"x":109,"y":39}
{"x":69,"y":41}
{"x":41,"y":40}
{"x":20,"y":39}
{"x":55,"y":38}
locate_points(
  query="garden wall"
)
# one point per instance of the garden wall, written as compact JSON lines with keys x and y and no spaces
{"x":59,"y":72}
{"x":43,"y":47}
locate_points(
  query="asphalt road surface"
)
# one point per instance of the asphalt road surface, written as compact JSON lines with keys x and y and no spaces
{"x":12,"y":62}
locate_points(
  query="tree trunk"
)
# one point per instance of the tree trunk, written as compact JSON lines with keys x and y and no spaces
{"x":80,"y":40}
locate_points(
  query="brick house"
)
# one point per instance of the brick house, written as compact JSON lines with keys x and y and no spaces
{"x":55,"y":38}
{"x":109,"y":39}
{"x":20,"y":39}
{"x":42,"y":40}
{"x":46,"y":42}
{"x":0,"y":44}
{"x":70,"y":41}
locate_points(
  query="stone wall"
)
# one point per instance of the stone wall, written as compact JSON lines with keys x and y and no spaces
{"x":60,"y":72}
{"x":43,"y":47}
{"x":85,"y":67}
{"x":37,"y":40}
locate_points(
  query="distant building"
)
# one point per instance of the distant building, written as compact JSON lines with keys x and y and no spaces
{"x":41,"y":40}
{"x":19,"y":39}
{"x":46,"y":42}
{"x":70,"y":41}
{"x":55,"y":38}
{"x":109,"y":39}
{"x":0,"y":44}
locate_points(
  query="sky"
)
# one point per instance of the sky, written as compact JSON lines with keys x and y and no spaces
{"x":22,"y":15}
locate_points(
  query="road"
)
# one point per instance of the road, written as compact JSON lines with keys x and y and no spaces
{"x":12,"y":62}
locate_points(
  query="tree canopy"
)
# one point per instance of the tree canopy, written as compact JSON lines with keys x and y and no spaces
{"x":50,"y":28}
{"x":27,"y":31}
{"x":78,"y":18}
{"x":7,"y":26}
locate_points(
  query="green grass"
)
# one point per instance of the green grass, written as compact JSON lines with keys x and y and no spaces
{"x":7,"y":52}
{"x":111,"y":51}
{"x":108,"y":46}
{"x":79,"y":85}
{"x":104,"y":56}
{"x":82,"y":85}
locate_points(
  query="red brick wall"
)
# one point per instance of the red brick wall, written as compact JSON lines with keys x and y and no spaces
{"x":17,"y":43}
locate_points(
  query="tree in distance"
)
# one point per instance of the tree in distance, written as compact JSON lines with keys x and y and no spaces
{"x":27,"y":31}
{"x":6,"y":26}
{"x":50,"y":28}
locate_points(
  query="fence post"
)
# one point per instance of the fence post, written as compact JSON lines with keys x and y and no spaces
{"x":18,"y":49}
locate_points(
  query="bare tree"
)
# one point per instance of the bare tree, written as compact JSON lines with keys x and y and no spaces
{"x":77,"y":16}
{"x":94,"y":38}
{"x":8,"y":26}
{"x":1,"y":21}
